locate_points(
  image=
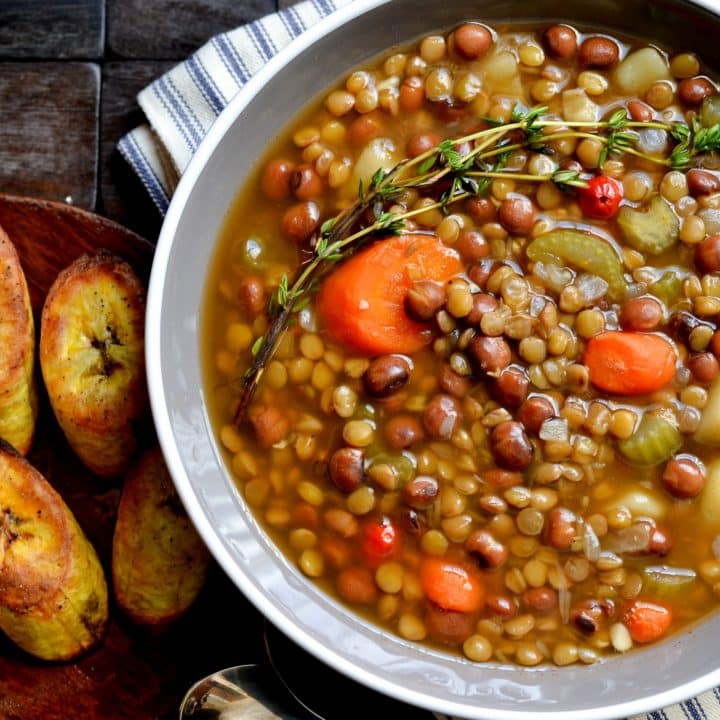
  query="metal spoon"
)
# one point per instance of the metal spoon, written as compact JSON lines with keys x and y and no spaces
{"x":291,"y":686}
{"x":243,"y":692}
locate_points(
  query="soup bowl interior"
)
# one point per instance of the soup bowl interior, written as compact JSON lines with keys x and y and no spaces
{"x":644,"y":679}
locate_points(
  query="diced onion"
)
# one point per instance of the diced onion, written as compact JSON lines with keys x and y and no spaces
{"x":564,"y":602}
{"x":635,"y":538}
{"x":591,"y":287}
{"x":711,"y":218}
{"x":554,"y":429}
{"x":307,"y":320}
{"x":554,"y":276}
{"x":591,"y":544}
{"x":652,"y":141}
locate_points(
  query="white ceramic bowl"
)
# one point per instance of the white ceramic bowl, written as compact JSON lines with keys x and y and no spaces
{"x":645,"y":679}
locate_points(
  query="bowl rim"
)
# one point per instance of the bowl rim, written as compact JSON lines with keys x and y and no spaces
{"x":168,"y":442}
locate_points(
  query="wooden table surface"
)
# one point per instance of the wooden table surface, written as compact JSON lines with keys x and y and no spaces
{"x":69,"y":74}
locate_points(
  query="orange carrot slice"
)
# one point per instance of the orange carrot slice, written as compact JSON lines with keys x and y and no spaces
{"x":451,"y":586}
{"x":627,"y":363}
{"x":647,"y":621}
{"x":362,"y":302}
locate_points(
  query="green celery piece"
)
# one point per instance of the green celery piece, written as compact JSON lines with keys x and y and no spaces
{"x":667,"y":288}
{"x":665,"y":581}
{"x":584,"y":251}
{"x":651,"y":230}
{"x":656,"y":440}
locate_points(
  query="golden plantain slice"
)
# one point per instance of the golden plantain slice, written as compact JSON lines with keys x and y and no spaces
{"x":92,"y":359}
{"x":53,"y":595}
{"x":18,"y":396}
{"x":159,"y":562}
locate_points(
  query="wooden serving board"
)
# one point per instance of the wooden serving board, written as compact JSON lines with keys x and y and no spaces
{"x":133,"y":674}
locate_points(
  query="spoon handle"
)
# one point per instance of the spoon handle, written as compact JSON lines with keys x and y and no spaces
{"x":246,"y":692}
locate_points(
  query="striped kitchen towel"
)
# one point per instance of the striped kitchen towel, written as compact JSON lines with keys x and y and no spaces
{"x":182,"y":105}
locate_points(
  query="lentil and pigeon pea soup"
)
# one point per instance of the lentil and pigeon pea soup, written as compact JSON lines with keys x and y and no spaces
{"x":462,"y":348}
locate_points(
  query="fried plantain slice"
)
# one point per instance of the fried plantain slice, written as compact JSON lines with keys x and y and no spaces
{"x":53,"y":594}
{"x":18,"y":395}
{"x":159,"y":562}
{"x":92,"y":359}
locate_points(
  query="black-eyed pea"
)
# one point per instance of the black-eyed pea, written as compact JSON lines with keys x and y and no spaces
{"x":487,"y":551}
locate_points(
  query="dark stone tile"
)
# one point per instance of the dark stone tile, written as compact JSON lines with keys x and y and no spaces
{"x":172,"y":29}
{"x":49,"y":130}
{"x":51,"y":30}
{"x":122,"y":196}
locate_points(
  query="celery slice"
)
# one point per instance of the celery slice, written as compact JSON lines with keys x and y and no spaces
{"x":656,"y":440}
{"x":651,"y":230}
{"x":667,"y":288}
{"x":584,"y":251}
{"x":665,"y":581}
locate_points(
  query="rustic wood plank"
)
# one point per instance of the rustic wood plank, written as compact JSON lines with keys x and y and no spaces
{"x":50,"y":30}
{"x":49,"y":130}
{"x":122,"y":196}
{"x":178,"y":26}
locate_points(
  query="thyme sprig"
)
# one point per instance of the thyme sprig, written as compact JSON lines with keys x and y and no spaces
{"x":456,"y":173}
{"x":619,"y":139}
{"x":692,"y":140}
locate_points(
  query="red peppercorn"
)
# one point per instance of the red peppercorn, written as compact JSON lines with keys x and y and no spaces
{"x":380,"y":541}
{"x":601,"y":198}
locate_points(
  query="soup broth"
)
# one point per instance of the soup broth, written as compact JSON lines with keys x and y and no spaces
{"x":492,"y":423}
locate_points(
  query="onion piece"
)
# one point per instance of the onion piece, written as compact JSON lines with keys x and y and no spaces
{"x":564,"y":602}
{"x":307,"y":320}
{"x":554,"y":276}
{"x":716,"y":547}
{"x":591,"y":544}
{"x":554,"y":429}
{"x":666,"y":581}
{"x":591,"y":287}
{"x":632,"y":539}
{"x":711,"y":218}
{"x":652,"y":141}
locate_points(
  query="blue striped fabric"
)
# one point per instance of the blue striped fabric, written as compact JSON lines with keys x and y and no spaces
{"x":182,"y":105}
